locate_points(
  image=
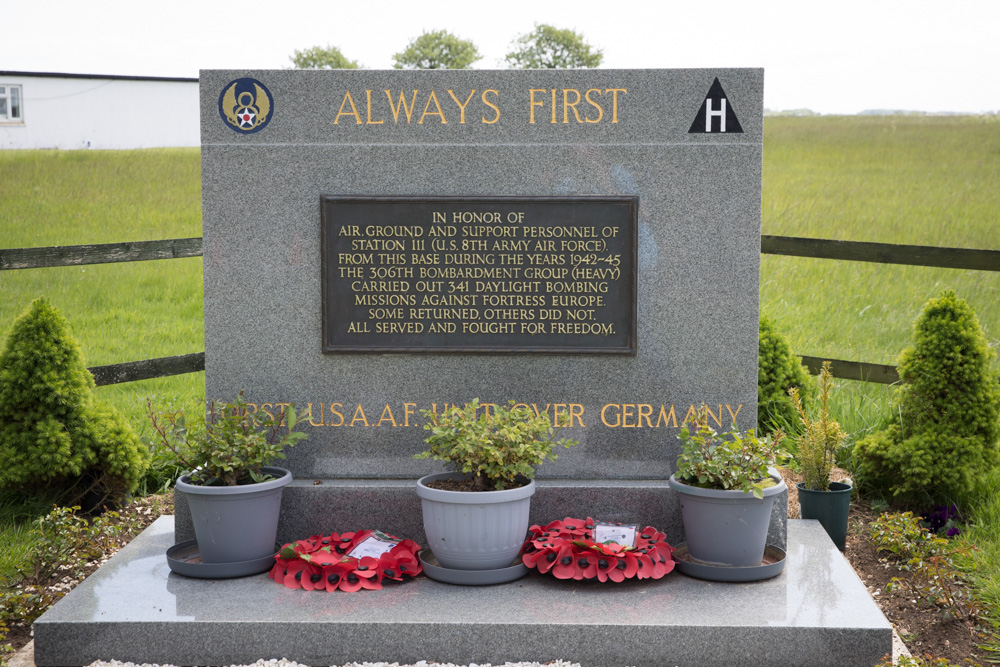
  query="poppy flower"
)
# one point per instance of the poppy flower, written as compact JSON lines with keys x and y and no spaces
{"x":606,"y":566}
{"x":564,"y":564}
{"x":332,"y":575}
{"x":297,"y":573}
{"x":586,"y":566}
{"x":644,"y":566}
{"x":351,"y":582}
{"x":277,"y":572}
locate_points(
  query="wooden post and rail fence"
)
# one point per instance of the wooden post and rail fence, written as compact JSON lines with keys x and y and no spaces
{"x":131,"y":371}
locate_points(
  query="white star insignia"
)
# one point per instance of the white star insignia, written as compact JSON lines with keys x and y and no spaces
{"x":246,"y":117}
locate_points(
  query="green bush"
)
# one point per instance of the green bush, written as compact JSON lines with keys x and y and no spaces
{"x":949,"y":412}
{"x":498,"y":446}
{"x":55,"y":437}
{"x":821,"y":439}
{"x":929,"y":563}
{"x":778,"y":370}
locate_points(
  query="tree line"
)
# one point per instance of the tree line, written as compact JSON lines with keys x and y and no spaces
{"x":545,"y":47}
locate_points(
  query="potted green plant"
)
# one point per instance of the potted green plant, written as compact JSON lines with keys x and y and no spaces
{"x":727,"y":488}
{"x":476,"y":517}
{"x":819,"y":497}
{"x":234,"y":496}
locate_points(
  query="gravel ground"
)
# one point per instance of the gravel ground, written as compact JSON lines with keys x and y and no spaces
{"x":289,"y":663}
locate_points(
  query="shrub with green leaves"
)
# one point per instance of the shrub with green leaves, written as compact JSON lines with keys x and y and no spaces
{"x":64,"y":549}
{"x":821,"y":438}
{"x":232,"y":446}
{"x":728,"y":460}
{"x":54,"y":434}
{"x":778,"y":370}
{"x":949,"y":412}
{"x":497,"y":444}
{"x":929,"y":563}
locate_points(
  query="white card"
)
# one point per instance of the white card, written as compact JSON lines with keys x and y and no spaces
{"x":623,"y":535}
{"x":372,"y":547}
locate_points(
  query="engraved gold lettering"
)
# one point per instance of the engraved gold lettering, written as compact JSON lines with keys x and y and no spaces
{"x":337,"y":414}
{"x":600,"y":111}
{"x":390,"y":418}
{"x":352,"y":112}
{"x":733,"y":414}
{"x":362,"y":418}
{"x":461,"y":106}
{"x":567,"y":105}
{"x":322,"y":415}
{"x":368,"y":93}
{"x":432,"y":98}
{"x":408,"y":412}
{"x":645,"y":412}
{"x":626,"y":413}
{"x":618,"y":417}
{"x":492,"y":106}
{"x":408,"y":108}
{"x":531,"y":113}
{"x":614,"y":101}
{"x":665,"y":417}
{"x":576,"y":413}
{"x":718,"y":419}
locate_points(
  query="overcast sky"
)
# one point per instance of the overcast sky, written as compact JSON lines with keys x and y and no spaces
{"x":843,"y":56}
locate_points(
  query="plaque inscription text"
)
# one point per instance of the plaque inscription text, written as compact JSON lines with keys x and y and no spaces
{"x":503,"y":274}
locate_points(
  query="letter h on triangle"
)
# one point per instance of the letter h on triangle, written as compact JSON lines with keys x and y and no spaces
{"x":716,"y":115}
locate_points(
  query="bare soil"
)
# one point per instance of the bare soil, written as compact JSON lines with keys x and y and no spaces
{"x":923,"y":629}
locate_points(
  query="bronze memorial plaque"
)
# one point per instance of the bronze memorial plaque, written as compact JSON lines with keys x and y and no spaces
{"x":479,"y":274}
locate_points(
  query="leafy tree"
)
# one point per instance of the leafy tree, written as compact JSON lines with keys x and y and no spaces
{"x":949,"y":411}
{"x":54,"y":435}
{"x":778,"y":370}
{"x":437,"y":50}
{"x":319,"y":57}
{"x":550,"y":48}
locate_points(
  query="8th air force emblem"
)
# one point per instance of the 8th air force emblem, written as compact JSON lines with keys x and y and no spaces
{"x":246,"y":105}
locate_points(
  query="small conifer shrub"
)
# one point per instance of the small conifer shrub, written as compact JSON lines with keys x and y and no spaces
{"x":948,"y":407}
{"x":54,"y":434}
{"x":778,"y":370}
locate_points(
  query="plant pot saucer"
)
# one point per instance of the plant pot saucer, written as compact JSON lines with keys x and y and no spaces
{"x":434,"y":570}
{"x":771,"y":566}
{"x":185,"y":559}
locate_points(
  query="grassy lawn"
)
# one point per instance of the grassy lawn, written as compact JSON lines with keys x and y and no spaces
{"x":913,"y":180}
{"x":118,"y":312}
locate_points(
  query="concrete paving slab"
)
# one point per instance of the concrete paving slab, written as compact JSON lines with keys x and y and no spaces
{"x":134,"y":609}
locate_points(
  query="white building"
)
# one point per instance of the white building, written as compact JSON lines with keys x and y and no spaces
{"x":70,"y":111}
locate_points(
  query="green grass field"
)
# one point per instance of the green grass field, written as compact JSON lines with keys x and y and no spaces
{"x":119,"y":312}
{"x":896,"y":179}
{"x":889,"y":179}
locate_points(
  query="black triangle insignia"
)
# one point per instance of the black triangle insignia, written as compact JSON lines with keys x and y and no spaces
{"x":716,"y":115}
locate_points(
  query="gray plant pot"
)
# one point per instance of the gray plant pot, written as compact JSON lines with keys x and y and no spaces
{"x":726,"y":527}
{"x":235,"y":524}
{"x":481,"y":530}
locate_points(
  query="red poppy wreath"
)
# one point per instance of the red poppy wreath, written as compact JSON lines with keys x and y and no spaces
{"x":346,"y":562}
{"x":588,"y":549}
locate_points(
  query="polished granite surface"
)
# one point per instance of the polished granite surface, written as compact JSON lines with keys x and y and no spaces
{"x":135,"y":609}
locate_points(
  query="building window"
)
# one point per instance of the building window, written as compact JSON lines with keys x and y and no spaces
{"x":11,"y":110}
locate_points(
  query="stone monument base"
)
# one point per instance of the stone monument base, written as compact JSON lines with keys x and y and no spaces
{"x":134,"y":609}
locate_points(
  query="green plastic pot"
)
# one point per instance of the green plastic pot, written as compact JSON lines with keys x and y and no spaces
{"x":829,"y":507}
